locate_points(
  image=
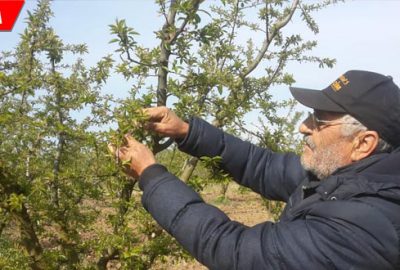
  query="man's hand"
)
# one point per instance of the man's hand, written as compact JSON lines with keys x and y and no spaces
{"x":135,"y":156}
{"x":165,"y":122}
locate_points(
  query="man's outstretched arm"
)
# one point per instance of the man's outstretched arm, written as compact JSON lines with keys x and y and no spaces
{"x":272,"y":175}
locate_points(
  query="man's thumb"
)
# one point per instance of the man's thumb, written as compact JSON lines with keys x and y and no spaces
{"x":130,"y":140}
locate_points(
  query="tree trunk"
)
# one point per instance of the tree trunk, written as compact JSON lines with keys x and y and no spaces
{"x":30,"y":240}
{"x":188,"y":168}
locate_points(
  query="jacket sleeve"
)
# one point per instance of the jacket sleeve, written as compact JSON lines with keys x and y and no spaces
{"x":312,"y":242}
{"x":275,"y":176}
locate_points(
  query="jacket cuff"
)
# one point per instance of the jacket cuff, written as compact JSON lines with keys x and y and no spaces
{"x":183,"y":141}
{"x":203,"y":139}
{"x":150,"y":174}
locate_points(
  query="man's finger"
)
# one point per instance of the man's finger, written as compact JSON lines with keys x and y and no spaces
{"x":122,"y":153}
{"x":154,"y":126}
{"x":115,"y":151}
{"x":130,"y":140}
{"x":156,"y":113}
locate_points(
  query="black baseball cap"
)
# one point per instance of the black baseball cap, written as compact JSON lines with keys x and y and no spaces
{"x":371,"y":98}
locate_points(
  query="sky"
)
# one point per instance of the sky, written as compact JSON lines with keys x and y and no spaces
{"x":358,"y":34}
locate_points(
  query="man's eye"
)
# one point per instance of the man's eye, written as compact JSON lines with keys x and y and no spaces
{"x":322,"y":116}
{"x":318,"y":115}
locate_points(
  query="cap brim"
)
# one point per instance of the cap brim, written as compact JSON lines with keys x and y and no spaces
{"x":315,"y":99}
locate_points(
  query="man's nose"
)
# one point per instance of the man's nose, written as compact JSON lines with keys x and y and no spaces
{"x":306,"y":127}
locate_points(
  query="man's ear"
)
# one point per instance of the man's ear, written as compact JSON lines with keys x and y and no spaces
{"x":364,"y":144}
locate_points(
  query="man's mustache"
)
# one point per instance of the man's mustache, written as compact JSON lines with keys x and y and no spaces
{"x":309,"y":142}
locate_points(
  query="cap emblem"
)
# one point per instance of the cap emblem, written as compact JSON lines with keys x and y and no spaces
{"x":339,"y":83}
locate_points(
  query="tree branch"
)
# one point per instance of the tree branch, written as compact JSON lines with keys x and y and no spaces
{"x":168,"y":39}
{"x":60,"y":146}
{"x":278,"y":68}
{"x":270,"y":37}
{"x":5,"y":93}
{"x":128,"y":56}
{"x":232,"y":33}
{"x":29,"y":239}
{"x":196,"y":5}
{"x":112,"y":252}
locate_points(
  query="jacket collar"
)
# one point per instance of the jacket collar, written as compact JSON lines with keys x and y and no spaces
{"x":368,"y":176}
{"x":360,"y":165}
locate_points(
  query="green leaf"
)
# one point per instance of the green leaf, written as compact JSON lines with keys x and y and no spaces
{"x":114,"y":40}
{"x":15,"y":202}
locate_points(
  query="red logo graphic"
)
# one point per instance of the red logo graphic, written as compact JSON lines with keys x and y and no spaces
{"x":9,"y":11}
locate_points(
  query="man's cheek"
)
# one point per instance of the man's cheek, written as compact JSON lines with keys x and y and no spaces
{"x":307,"y":151}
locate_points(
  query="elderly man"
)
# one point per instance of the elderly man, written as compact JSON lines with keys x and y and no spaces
{"x":342,"y":194}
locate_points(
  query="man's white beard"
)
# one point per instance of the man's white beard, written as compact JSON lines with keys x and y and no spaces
{"x":323,"y":160}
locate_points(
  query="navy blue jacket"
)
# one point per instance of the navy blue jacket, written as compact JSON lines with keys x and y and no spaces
{"x":350,"y":220}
